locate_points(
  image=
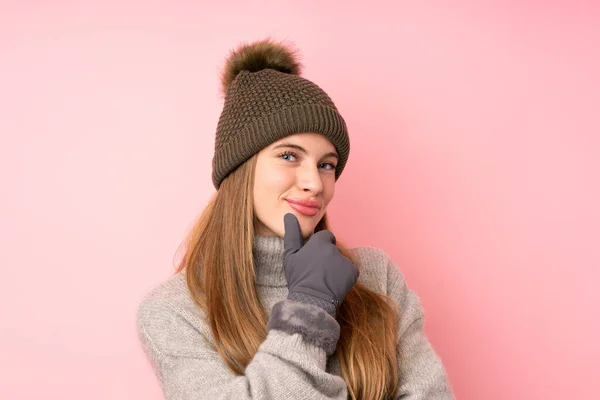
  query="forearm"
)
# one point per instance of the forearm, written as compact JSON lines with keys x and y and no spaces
{"x":290,"y":363}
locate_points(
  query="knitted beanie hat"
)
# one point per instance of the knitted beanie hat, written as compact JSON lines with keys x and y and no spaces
{"x":266,"y":100}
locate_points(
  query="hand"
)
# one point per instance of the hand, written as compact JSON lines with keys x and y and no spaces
{"x":316,"y":273}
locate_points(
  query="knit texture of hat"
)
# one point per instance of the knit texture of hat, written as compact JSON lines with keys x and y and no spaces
{"x":266,"y":100}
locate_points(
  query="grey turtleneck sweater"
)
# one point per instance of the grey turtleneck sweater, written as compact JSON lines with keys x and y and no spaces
{"x":295,"y":361}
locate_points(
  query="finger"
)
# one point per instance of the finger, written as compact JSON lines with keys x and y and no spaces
{"x":326,"y":236}
{"x":292,"y":239}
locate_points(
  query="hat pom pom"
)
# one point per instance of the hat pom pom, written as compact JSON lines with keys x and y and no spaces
{"x":256,"y":56}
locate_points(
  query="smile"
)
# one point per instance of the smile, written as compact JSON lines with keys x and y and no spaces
{"x":309,"y":208}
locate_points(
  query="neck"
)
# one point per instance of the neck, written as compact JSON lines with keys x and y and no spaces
{"x":268,"y":259}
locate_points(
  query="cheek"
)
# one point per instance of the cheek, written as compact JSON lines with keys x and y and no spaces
{"x":269,"y":185}
{"x":275,"y":182}
{"x":328,"y":190}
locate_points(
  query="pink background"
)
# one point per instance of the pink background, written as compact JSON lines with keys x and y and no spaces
{"x":475,"y":163}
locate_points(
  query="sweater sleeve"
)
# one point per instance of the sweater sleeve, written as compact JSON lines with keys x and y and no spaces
{"x":289,"y":364}
{"x":422,"y":374}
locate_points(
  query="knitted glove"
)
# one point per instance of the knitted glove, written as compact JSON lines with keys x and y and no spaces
{"x":317,"y":273}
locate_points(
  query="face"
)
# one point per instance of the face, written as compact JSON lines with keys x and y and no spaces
{"x":294,"y":175}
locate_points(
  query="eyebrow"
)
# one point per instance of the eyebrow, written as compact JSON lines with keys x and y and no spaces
{"x":301,"y":149}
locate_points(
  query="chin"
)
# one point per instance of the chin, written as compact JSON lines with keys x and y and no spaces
{"x":307,"y":233}
{"x":306,"y":227}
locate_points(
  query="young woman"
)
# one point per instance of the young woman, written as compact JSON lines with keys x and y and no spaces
{"x":266,"y":304}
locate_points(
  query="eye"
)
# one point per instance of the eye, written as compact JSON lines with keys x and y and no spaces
{"x":288,"y":155}
{"x":328,"y":166}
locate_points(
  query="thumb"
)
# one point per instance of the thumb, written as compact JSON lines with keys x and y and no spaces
{"x":292,"y":239}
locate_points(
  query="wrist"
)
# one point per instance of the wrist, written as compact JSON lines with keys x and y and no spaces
{"x":311,"y":323}
{"x":329,"y":306}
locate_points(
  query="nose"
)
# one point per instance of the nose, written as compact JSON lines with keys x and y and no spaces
{"x":309,"y":179}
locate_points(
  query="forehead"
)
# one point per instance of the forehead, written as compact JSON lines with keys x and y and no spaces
{"x":312,"y":142}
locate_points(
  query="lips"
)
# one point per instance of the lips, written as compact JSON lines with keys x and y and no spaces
{"x":306,"y":207}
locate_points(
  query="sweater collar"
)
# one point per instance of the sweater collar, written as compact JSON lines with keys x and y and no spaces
{"x":268,"y":261}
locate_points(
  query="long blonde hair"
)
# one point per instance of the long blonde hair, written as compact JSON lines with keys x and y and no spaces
{"x":219,"y":267}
